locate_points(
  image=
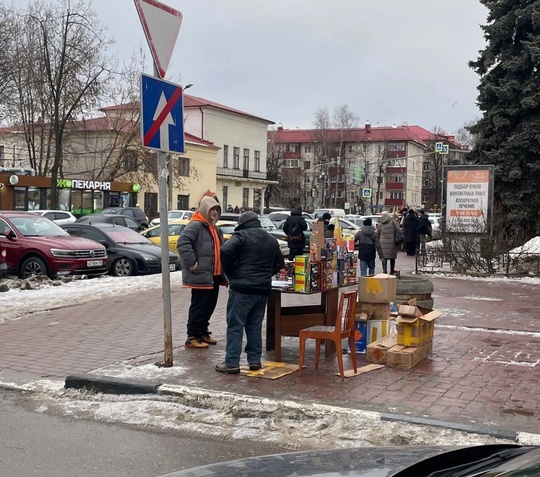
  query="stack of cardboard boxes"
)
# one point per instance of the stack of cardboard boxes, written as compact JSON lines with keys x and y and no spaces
{"x":412,"y":342}
{"x":373,"y":320}
{"x":331,"y":262}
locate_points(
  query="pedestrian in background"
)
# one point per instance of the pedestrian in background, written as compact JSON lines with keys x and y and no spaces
{"x":326,"y":220}
{"x":368,"y":245}
{"x":199,"y":246}
{"x":250,"y":258}
{"x":424,"y":230}
{"x":386,"y":234}
{"x":294,"y":228}
{"x":410,"y":232}
{"x":330,"y":231}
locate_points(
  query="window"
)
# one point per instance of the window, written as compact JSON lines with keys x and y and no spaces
{"x":257,"y":161}
{"x":130,"y":160}
{"x":182,"y":202}
{"x":236,"y":158}
{"x":396,"y":146}
{"x":351,"y":148}
{"x":366,"y":147}
{"x":290,"y":163}
{"x":396,"y":178}
{"x":151,"y":203}
{"x":245,"y":197}
{"x":396,"y":195}
{"x":225,"y":196}
{"x":2,"y":155}
{"x":292,"y":148}
{"x":183,"y":166}
{"x":225,"y":156}
{"x":426,"y":166}
{"x":308,"y":149}
{"x":246,"y":160}
{"x":425,"y":196}
{"x":307,"y":165}
{"x":425,"y":182}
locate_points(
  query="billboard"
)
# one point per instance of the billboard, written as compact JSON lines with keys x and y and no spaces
{"x":468,"y":198}
{"x":356,"y":175}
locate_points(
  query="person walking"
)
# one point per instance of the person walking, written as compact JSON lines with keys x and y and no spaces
{"x":424,"y":230}
{"x":326,"y":221}
{"x":250,"y":258}
{"x":386,"y":234}
{"x":199,"y":247}
{"x":410,"y":232}
{"x":294,"y":228}
{"x":367,"y":244}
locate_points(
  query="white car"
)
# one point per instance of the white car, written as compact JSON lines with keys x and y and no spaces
{"x":175,"y":215}
{"x":61,"y":217}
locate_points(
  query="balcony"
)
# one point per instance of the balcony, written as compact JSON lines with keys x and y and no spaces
{"x":394,"y":186}
{"x":241,"y":173}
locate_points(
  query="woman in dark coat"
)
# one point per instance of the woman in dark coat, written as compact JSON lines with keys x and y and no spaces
{"x":410,"y":232}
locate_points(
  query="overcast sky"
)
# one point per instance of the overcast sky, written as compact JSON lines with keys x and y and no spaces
{"x":390,"y":61}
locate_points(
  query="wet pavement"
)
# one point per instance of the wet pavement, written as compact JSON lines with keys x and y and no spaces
{"x":484,"y":369}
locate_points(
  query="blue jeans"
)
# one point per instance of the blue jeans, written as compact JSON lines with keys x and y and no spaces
{"x":244,"y":312}
{"x":365,"y":265}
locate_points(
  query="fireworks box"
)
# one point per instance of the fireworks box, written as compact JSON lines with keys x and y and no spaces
{"x":360,"y":336}
{"x":407,"y":357}
{"x":377,"y":352}
{"x":380,"y":288}
{"x":416,"y":327}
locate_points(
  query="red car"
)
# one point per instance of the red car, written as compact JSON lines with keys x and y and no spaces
{"x":3,"y":266}
{"x":35,"y":245}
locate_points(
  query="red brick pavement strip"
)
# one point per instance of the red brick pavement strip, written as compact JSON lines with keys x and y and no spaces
{"x":473,"y":377}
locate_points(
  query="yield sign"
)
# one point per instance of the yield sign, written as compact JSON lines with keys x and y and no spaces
{"x":162,"y":124}
{"x":161,"y":25}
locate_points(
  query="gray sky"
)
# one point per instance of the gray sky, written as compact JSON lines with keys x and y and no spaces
{"x":390,"y":61}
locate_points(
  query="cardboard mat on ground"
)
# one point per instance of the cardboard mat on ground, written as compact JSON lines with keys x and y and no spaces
{"x":270,"y":370}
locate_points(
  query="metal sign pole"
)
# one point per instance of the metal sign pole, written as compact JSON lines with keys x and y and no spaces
{"x":164,"y":234}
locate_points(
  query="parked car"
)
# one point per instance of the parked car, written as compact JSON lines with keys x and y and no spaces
{"x":129,"y":252}
{"x":115,"y":219}
{"x":174,"y":215}
{"x":3,"y":265}
{"x":435,"y":227}
{"x":134,"y":212}
{"x":511,"y":460}
{"x":280,"y":215}
{"x":35,"y":245}
{"x":229,"y":216}
{"x":60,"y":217}
{"x":175,"y":228}
{"x":317,"y":214}
{"x":227,"y":227}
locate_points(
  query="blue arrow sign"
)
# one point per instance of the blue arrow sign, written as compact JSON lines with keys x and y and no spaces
{"x":162,"y":113}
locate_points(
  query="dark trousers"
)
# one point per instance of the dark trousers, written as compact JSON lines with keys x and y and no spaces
{"x":293,"y":251}
{"x":203,"y":304}
{"x":410,"y":247}
{"x":385,"y":266}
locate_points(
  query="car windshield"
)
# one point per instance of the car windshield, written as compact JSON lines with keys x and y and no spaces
{"x":37,"y":227}
{"x":178,"y":214}
{"x":267,"y":224}
{"x":277,"y":216}
{"x":126,"y":236}
{"x":227,"y":229}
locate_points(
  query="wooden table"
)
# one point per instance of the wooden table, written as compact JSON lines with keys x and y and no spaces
{"x":289,"y":320}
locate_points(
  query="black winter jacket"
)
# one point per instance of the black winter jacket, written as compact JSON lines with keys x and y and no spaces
{"x":367,"y":243}
{"x":295,"y":217}
{"x":250,"y":258}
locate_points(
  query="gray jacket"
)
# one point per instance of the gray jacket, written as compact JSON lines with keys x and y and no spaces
{"x":385,"y":231}
{"x":196,"y":245}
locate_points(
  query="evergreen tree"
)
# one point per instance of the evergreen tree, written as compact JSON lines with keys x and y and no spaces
{"x":508,"y":134}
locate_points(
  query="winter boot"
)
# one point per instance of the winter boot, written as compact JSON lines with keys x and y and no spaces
{"x":193,"y":342}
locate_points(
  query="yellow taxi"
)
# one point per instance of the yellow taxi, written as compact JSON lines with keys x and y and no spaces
{"x":175,"y":228}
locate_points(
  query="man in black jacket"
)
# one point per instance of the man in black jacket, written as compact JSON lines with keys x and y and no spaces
{"x":249,"y":258}
{"x":294,"y":228}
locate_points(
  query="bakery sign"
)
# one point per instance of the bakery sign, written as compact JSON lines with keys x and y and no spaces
{"x":82,"y":184}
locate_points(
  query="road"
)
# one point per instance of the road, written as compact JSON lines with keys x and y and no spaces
{"x":44,"y":444}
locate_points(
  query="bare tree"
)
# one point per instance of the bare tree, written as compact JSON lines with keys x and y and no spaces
{"x":274,"y":163}
{"x":61,"y":73}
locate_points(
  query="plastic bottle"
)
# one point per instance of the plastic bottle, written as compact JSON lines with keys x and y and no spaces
{"x":393,"y":309}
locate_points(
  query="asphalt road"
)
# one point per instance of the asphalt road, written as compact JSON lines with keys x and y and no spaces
{"x":38,"y":443}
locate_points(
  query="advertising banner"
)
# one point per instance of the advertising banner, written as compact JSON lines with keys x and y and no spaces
{"x":468,"y":198}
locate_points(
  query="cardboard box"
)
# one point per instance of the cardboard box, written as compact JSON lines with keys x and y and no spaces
{"x":377,"y":352}
{"x":417,"y":330}
{"x":301,"y":265}
{"x":375,"y":311}
{"x":380,"y":288}
{"x":407,"y":357}
{"x":377,"y":329}
{"x":360,"y":336}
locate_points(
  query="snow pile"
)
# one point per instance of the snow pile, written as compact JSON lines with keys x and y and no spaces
{"x":532,"y":247}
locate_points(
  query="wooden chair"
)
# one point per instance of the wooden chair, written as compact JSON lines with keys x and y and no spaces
{"x":344,"y":328}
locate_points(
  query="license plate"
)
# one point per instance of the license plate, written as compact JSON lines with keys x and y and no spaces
{"x":94,"y":263}
{"x":172,"y":267}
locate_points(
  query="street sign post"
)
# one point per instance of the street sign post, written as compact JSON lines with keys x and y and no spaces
{"x":162,"y":113}
{"x":162,"y":127}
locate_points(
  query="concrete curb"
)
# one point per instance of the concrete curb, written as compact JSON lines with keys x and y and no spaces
{"x":111,"y":385}
{"x":206,"y":398}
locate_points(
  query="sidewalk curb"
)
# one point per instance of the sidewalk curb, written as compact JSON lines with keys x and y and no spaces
{"x":206,"y":398}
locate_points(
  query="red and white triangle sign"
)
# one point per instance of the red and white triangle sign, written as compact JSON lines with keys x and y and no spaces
{"x":161,"y":25}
